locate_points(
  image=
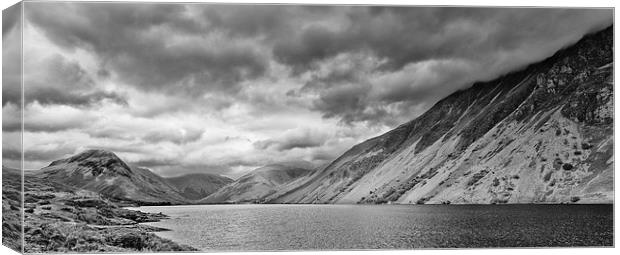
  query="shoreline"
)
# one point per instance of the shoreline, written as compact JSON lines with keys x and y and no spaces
{"x":435,"y":204}
{"x":104,"y":227}
{"x":59,"y":218}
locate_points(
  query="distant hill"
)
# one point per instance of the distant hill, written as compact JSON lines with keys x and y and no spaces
{"x":543,"y":134}
{"x":198,"y":185}
{"x":259,"y":183}
{"x":103,"y":172}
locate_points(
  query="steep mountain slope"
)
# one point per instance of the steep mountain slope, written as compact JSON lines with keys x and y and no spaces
{"x":259,"y":183}
{"x":540,"y":135}
{"x":103,"y":172}
{"x":198,"y":185}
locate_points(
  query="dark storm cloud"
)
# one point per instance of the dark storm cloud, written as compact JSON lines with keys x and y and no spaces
{"x":405,"y":35}
{"x":60,"y":82}
{"x":349,"y":102}
{"x":389,"y":98}
{"x":200,"y":48}
{"x":250,"y":20}
{"x":105,"y":27}
{"x":428,"y":52}
{"x":266,"y":23}
{"x":152,"y":46}
{"x":314,"y":43}
{"x":11,"y":55}
{"x":51,"y":95}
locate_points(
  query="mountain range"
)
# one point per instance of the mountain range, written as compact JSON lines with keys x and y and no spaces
{"x":104,"y":172}
{"x":542,"y":134}
{"x":198,"y":185}
{"x":260,"y":183}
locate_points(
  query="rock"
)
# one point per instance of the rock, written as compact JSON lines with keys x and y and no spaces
{"x":86,"y":203}
{"x":567,"y":167}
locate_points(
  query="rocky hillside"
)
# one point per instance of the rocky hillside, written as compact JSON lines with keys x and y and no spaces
{"x":543,"y":134}
{"x":260,"y":183}
{"x":199,"y":185}
{"x":11,"y":208}
{"x":61,"y":218}
{"x":103,"y":172}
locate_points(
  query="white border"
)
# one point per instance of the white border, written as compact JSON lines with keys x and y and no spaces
{"x":552,"y":3}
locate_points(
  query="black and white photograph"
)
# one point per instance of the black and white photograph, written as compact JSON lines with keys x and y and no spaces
{"x":141,"y":127}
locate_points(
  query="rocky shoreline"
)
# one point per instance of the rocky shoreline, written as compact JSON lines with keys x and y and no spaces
{"x":59,"y":218}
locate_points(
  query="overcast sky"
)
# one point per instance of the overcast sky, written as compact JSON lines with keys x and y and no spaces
{"x":228,"y":88}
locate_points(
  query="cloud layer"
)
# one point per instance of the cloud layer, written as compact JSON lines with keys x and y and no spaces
{"x":227,"y":88}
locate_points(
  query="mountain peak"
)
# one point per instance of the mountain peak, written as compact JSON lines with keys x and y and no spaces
{"x":95,"y":153}
{"x":95,"y":161}
{"x":104,"y":172}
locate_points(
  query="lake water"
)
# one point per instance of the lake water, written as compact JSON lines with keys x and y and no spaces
{"x":318,"y":227}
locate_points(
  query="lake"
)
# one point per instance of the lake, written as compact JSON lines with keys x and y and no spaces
{"x":318,"y":227}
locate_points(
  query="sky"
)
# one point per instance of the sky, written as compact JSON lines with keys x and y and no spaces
{"x":228,"y":88}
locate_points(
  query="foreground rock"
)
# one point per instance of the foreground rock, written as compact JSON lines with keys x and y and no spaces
{"x":60,"y":218}
{"x":11,"y":208}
